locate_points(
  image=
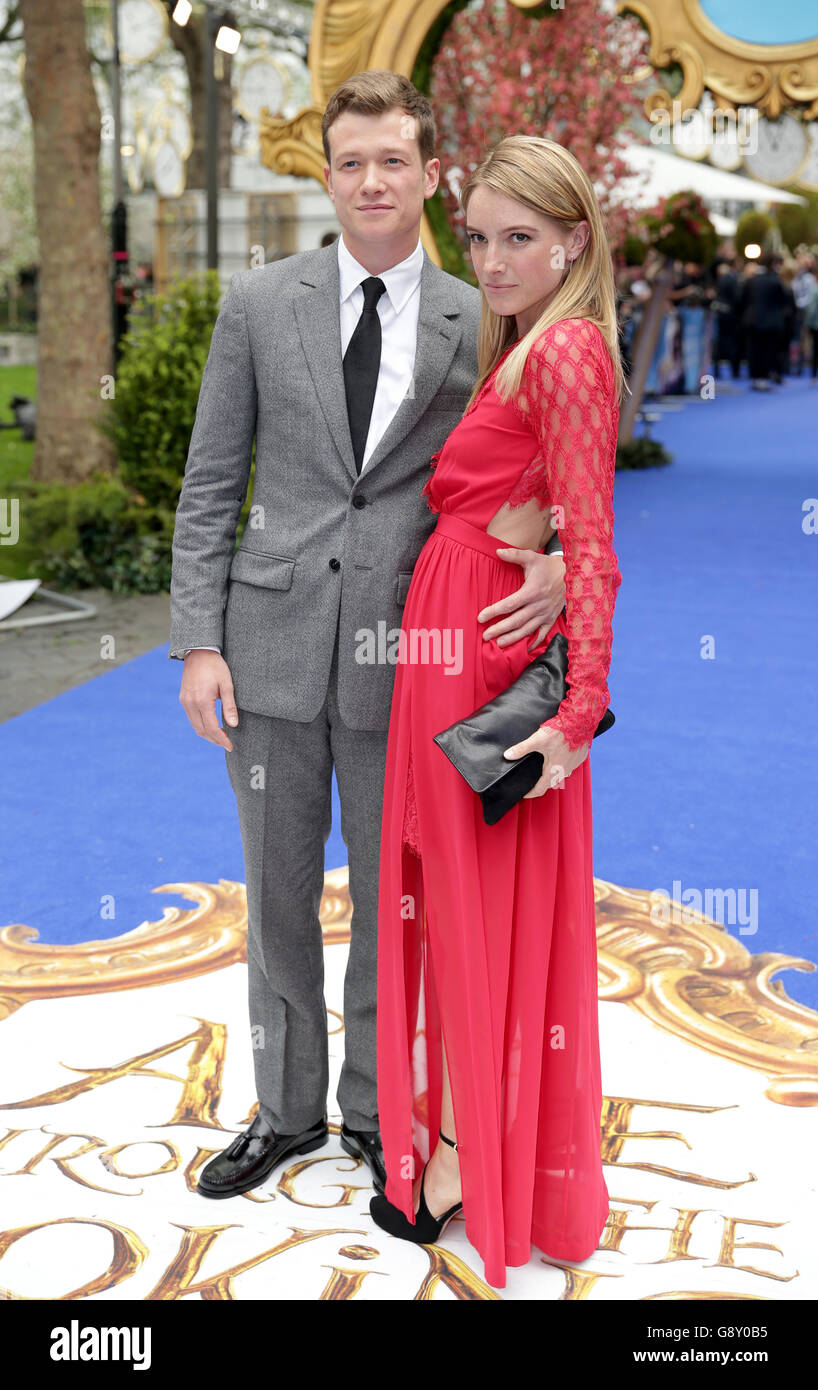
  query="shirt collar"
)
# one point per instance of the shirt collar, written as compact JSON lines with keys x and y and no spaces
{"x":400,"y":279}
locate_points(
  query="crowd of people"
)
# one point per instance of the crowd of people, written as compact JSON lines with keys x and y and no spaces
{"x":763,"y":312}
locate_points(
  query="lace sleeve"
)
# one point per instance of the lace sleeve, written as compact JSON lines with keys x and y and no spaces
{"x":566,"y":394}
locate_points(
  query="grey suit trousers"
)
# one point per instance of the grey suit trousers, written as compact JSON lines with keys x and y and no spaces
{"x":281,"y":773}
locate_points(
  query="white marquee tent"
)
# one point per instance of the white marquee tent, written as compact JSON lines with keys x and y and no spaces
{"x":657,"y":173}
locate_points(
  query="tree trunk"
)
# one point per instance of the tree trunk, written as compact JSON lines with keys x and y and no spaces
{"x":74,"y":314}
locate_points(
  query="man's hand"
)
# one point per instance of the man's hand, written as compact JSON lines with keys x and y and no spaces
{"x":207,"y":679}
{"x":559,"y":761}
{"x":535,"y":606}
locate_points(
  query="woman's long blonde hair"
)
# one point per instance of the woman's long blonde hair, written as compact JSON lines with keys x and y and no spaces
{"x":546,"y":177}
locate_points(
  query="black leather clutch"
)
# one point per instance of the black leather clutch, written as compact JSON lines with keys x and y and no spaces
{"x":475,"y":745}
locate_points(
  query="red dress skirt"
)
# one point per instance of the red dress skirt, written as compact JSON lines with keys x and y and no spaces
{"x":486,"y":933}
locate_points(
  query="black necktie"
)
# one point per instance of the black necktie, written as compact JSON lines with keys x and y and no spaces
{"x":362,"y":361}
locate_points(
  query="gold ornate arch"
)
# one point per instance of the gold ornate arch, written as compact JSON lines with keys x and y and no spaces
{"x":350,"y":36}
{"x":769,"y":76}
{"x":684,"y":971}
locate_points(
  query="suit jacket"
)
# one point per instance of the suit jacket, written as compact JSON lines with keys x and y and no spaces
{"x":763,"y":302}
{"x":324,"y":550}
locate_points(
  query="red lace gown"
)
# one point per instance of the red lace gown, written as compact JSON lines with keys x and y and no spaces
{"x":489,"y":931}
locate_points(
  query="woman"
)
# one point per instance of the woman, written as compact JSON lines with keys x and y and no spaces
{"x":486,"y":933}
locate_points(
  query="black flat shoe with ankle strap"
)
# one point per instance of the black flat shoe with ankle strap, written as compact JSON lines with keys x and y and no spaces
{"x":427,"y":1229}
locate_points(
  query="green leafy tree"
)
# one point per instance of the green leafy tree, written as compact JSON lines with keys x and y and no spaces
{"x":680,"y":227}
{"x":798,"y":223}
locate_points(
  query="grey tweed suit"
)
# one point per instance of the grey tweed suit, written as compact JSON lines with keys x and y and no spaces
{"x":326,"y":554}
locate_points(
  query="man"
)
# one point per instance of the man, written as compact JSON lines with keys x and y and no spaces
{"x":350,"y":365}
{"x":762,"y":308}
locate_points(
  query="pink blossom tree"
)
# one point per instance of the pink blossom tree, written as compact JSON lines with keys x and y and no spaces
{"x":565,"y":73}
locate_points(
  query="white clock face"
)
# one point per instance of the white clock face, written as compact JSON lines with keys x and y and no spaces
{"x":143,"y":27}
{"x":691,"y":137}
{"x":168,"y":170}
{"x":261,"y":84}
{"x":727,"y":147}
{"x":808,"y":173}
{"x":172,"y":121}
{"x":781,"y":147}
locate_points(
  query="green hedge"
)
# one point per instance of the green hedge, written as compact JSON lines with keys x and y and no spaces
{"x":96,"y":534}
{"x":642,"y":452}
{"x":157,"y":387}
{"x":752,"y":226}
{"x":115,"y":532}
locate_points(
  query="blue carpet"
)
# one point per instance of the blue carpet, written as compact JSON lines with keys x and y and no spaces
{"x":708,"y":782}
{"x":710,"y":777}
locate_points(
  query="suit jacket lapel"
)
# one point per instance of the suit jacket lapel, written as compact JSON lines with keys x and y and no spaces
{"x":318,"y":318}
{"x":319,"y":324}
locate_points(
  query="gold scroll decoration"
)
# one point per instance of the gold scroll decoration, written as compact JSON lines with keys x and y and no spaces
{"x":771,"y":77}
{"x":695,"y":979}
{"x":184,"y":943}
{"x":691,"y":977}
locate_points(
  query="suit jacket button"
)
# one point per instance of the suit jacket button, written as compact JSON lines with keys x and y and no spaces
{"x":334,"y":564}
{"x":359,"y":501}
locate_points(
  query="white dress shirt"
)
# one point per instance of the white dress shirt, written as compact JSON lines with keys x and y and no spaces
{"x":398,"y":311}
